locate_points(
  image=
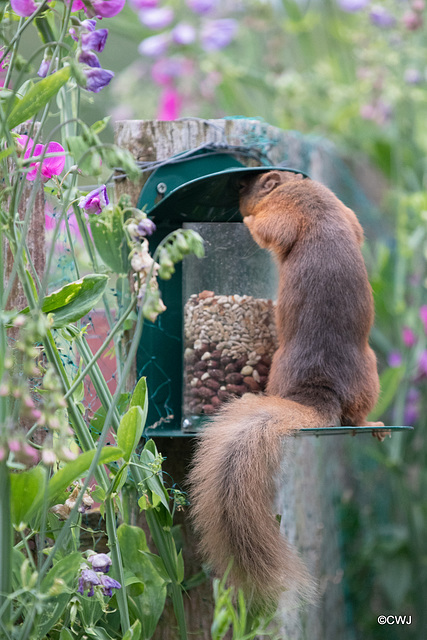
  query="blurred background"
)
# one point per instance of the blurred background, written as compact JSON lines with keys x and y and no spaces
{"x":351,"y":73}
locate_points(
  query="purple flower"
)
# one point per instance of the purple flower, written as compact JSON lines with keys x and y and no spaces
{"x":107,"y":8}
{"x":202,"y":6}
{"x":88,"y":579}
{"x":146,"y":227}
{"x":23,"y":8}
{"x":381,"y":17}
{"x":183,"y":33}
{"x":89,"y":58}
{"x":100,"y":562}
{"x":412,"y":76}
{"x":351,"y":6}
{"x":156,"y":18}
{"x":408,"y":337}
{"x":165,"y":70}
{"x":95,"y":201}
{"x":143,"y":4}
{"x":154,"y":46}
{"x":108,"y":584}
{"x":217,"y":34}
{"x":97,"y":78}
{"x":394,"y":359}
{"x":44,"y":67}
{"x":94,"y":40}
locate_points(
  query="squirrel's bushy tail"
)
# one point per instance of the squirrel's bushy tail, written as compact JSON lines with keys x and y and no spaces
{"x":232,"y":486}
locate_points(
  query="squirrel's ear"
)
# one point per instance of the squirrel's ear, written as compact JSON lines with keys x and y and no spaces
{"x":269,"y":181}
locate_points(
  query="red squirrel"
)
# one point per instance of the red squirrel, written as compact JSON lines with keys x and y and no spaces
{"x":323,"y":374}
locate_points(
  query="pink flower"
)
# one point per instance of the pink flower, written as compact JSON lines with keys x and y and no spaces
{"x":95,"y":201}
{"x":412,"y":20}
{"x":408,"y":337}
{"x":23,"y":8}
{"x":107,"y":8}
{"x":422,"y":364}
{"x":78,"y":5}
{"x":143,"y":4}
{"x":156,"y":18}
{"x":394,"y":359}
{"x":165,"y":70}
{"x":50,"y":166}
{"x":423,"y":316}
{"x":170,"y":104}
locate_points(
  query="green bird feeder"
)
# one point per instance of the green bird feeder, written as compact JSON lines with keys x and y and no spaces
{"x":217,"y":337}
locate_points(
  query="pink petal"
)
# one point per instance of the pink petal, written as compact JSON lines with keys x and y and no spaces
{"x":170,"y":105}
{"x":23,"y":8}
{"x":53,"y":166}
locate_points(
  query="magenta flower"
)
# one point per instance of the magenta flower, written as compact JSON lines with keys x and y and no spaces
{"x":170,"y":104}
{"x":183,"y":33}
{"x":95,"y":201}
{"x":77,"y":5}
{"x":351,"y":6}
{"x":50,"y":166}
{"x":107,"y":8}
{"x":154,"y":46}
{"x":97,"y":78}
{"x":202,"y":6}
{"x":108,"y":584}
{"x":217,"y":34}
{"x":100,"y":562}
{"x":158,"y":18}
{"x":23,"y":8}
{"x":408,"y":337}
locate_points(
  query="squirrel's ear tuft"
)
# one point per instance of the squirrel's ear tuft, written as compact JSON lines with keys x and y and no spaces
{"x":269,"y":181}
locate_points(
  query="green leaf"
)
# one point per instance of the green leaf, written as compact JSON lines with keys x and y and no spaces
{"x":98,"y":419}
{"x":73,"y":470}
{"x":87,"y":157}
{"x":100,"y":125}
{"x":66,"y":569}
{"x":66,"y":635}
{"x":390,"y":380}
{"x":74,"y":300}
{"x":152,"y":480}
{"x":149,"y":604}
{"x":110,"y":239}
{"x":26,"y":487}
{"x":134,"y":633}
{"x":130,"y":430}
{"x":38,"y":97}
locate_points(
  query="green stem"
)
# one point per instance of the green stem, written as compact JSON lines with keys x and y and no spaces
{"x":6,"y":543}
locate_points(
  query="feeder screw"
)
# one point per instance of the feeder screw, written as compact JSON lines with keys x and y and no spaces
{"x":161,"y":188}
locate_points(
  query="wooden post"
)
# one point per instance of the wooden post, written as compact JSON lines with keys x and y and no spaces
{"x":313,"y":480}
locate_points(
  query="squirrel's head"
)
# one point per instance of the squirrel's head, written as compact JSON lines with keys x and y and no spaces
{"x":255,"y":188}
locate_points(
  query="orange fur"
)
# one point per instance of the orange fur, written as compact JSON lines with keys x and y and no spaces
{"x":323,"y":374}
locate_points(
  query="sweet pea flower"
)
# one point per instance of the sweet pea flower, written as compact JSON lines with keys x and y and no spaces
{"x":89,"y":58}
{"x":381,"y":17}
{"x":408,"y":337}
{"x":183,"y":33}
{"x":202,"y":6}
{"x":95,"y":201}
{"x":170,"y":104}
{"x":351,"y":6}
{"x":108,"y":584}
{"x":158,"y":18}
{"x":143,"y":4}
{"x":107,"y":8}
{"x":394,"y":359}
{"x":146,"y":227}
{"x":77,"y":5}
{"x":94,"y":40}
{"x":100,"y":562}
{"x":44,"y":67}
{"x":154,"y":46}
{"x":88,"y":579}
{"x":217,"y":34}
{"x":50,"y":166}
{"x":23,"y":8}
{"x":97,"y":78}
